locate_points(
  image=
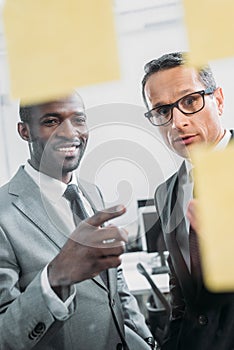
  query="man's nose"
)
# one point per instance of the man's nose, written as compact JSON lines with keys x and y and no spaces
{"x":67,"y":129}
{"x":179,"y":119}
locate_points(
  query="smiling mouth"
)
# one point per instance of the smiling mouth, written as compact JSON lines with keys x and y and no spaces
{"x":68,"y":150}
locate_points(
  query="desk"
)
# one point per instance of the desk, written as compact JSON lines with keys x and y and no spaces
{"x":137,"y":283}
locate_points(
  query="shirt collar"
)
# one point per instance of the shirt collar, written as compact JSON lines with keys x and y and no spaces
{"x":184,"y":171}
{"x":49,"y":186}
{"x":224,"y":141}
{"x":187,"y":166}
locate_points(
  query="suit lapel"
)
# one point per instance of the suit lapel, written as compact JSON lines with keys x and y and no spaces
{"x":111,"y":289}
{"x":173,"y":219}
{"x":90,"y":193}
{"x":112,"y":281}
{"x":98,"y":280}
{"x":29,"y":200}
{"x":180,"y":266}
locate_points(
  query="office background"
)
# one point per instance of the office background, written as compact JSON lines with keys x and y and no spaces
{"x":125,"y":156}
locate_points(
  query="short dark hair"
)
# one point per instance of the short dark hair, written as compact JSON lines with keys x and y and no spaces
{"x":171,"y":60}
{"x":25,"y":112}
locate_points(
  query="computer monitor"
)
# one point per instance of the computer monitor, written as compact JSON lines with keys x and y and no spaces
{"x":150,"y":233}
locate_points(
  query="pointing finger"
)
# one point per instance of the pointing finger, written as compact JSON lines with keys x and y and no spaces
{"x":107,"y":214}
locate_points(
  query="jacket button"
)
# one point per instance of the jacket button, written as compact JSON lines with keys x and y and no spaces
{"x":39,"y":328}
{"x":202,"y":320}
{"x":37,"y":331}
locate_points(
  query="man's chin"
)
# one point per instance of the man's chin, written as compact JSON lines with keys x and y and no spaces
{"x":183,"y":152}
{"x":69,"y":166}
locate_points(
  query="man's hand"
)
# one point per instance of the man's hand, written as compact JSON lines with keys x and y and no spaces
{"x":89,"y":250}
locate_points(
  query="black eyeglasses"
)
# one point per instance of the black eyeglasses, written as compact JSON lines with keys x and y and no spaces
{"x":188,"y":104}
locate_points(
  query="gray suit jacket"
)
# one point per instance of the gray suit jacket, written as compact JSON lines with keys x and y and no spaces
{"x":30,"y":236}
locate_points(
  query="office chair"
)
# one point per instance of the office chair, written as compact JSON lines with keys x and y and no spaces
{"x":158,"y":309}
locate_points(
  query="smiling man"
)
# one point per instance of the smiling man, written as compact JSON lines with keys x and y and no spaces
{"x":58,"y":153}
{"x":60,"y":288}
{"x":186,"y":106}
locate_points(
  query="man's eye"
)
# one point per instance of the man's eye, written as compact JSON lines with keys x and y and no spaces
{"x":50,"y":122}
{"x":163,"y":111}
{"x":190,"y":100}
{"x":80,"y":120}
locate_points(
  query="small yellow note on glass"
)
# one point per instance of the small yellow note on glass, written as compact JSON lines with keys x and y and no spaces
{"x":210,"y":29}
{"x":56,"y":45}
{"x":214,"y":184}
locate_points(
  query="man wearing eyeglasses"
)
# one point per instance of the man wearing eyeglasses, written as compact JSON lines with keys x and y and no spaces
{"x":186,"y":106}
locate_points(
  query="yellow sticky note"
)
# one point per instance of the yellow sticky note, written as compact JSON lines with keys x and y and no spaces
{"x":56,"y":45}
{"x":210,"y":29}
{"x":214,"y":183}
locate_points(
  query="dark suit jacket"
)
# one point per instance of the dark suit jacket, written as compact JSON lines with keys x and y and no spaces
{"x":30,"y":236}
{"x":201,"y":320}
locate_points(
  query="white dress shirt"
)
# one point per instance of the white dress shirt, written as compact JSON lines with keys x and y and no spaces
{"x":53,"y":190}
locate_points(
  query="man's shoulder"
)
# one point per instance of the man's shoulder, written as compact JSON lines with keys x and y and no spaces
{"x":182,"y":171}
{"x":4,"y":189}
{"x":164,"y":186}
{"x":5,"y":198}
{"x":13,"y":183}
{"x":165,"y":189}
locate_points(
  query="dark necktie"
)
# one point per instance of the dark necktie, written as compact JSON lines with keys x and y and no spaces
{"x":194,"y":253}
{"x":194,"y":256}
{"x":77,"y":207}
{"x":79,"y":213}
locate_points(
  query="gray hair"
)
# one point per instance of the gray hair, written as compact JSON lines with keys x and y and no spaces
{"x":171,"y":60}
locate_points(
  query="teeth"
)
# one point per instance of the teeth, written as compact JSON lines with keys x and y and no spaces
{"x":67,"y":149}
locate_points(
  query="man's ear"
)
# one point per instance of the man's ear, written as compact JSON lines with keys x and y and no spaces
{"x":24,"y":132}
{"x":218,"y":94}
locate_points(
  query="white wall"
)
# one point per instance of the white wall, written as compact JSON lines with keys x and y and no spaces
{"x":125,"y":156}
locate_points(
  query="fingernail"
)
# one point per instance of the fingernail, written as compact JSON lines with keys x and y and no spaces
{"x":119,"y":207}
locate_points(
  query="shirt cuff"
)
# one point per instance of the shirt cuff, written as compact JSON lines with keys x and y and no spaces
{"x":60,"y":310}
